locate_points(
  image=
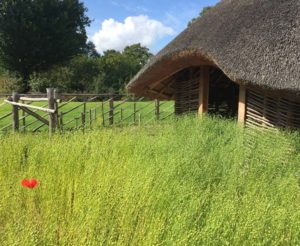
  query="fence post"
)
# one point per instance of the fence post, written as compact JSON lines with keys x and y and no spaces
{"x":140,"y":119}
{"x":84,"y":108}
{"x":90,"y":119}
{"x":56,"y":109}
{"x":51,"y":105}
{"x":157,"y":104}
{"x":111,"y":110}
{"x":121,"y":117}
{"x":134,"y":111}
{"x":15,"y":98}
{"x":103,"y":116}
{"x":23,"y":120}
{"x":83,"y":121}
{"x":76,"y":122}
{"x":61,"y":121}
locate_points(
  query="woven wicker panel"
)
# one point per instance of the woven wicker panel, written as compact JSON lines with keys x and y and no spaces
{"x":268,"y":112}
{"x":187,"y":96}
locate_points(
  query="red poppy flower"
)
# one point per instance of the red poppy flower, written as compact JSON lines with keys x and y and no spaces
{"x":25,"y":183}
{"x":31,"y":183}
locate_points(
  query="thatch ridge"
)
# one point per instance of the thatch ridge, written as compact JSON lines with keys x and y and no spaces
{"x":254,"y":42}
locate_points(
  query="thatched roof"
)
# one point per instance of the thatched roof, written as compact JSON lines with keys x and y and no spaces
{"x":255,"y":42}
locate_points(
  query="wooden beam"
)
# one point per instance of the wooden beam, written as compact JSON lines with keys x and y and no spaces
{"x":35,"y":115}
{"x":242,"y":105}
{"x":203,"y":90}
{"x":160,"y":94}
{"x":30,"y":106}
{"x":34,"y":99}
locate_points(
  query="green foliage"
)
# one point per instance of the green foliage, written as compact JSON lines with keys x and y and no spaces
{"x":203,"y":11}
{"x":94,"y":73}
{"x":79,"y":75}
{"x":9,"y":82}
{"x":120,"y":67}
{"x":90,"y":50}
{"x":187,"y":182}
{"x":35,"y":35}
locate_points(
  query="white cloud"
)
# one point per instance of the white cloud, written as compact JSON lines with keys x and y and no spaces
{"x":134,"y":29}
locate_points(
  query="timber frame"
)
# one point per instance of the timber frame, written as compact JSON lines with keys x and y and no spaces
{"x":192,"y":90}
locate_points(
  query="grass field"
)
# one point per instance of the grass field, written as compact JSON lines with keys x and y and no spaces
{"x":146,"y":110}
{"x":180,"y":182}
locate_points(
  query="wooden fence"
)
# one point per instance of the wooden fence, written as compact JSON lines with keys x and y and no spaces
{"x":78,"y":111}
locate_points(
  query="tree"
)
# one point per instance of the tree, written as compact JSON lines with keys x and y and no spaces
{"x":81,"y":74}
{"x":203,"y":11}
{"x":120,"y":67}
{"x":90,"y":50}
{"x":137,"y":53}
{"x":90,"y":73}
{"x":35,"y":35}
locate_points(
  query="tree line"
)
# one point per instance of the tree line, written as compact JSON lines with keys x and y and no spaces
{"x":44,"y":43}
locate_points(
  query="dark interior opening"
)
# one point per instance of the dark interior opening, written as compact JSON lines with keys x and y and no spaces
{"x":223,"y":95}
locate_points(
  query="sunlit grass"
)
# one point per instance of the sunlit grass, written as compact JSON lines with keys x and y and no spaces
{"x":182,"y":182}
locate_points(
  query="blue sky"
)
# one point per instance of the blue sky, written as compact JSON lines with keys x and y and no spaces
{"x":117,"y":23}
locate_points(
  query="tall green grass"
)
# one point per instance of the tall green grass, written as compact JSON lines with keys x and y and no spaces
{"x":182,"y":182}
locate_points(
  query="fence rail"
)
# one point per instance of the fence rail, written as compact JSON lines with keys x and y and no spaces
{"x":78,"y":111}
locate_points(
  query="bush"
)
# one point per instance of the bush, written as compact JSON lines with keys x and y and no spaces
{"x":81,"y":74}
{"x":9,"y":83}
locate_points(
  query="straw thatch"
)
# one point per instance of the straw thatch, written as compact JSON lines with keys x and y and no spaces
{"x":254,"y":42}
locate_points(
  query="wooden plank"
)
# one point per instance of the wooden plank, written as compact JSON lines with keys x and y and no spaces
{"x":30,"y":106}
{"x":33,"y":99}
{"x":5,"y":116}
{"x":66,"y":103}
{"x":242,"y":105}
{"x":35,"y":115}
{"x":203,"y":90}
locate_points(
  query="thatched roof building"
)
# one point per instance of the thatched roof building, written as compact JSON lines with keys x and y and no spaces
{"x":253,"y":44}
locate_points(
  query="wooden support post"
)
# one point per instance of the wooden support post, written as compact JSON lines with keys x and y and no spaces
{"x":84,"y":108}
{"x":56,"y":109}
{"x":242,"y":105}
{"x":95,"y":114}
{"x":111,"y":110}
{"x":90,"y":118}
{"x":102,"y":111}
{"x":35,"y":115}
{"x":61,"y":121}
{"x":134,"y":111}
{"x":289,"y":123}
{"x":157,"y":109}
{"x":203,"y":90}
{"x":76,"y":122}
{"x":23,"y":119}
{"x":83,"y":121}
{"x":121,"y":116}
{"x":51,"y":105}
{"x":140,"y":119}
{"x":15,"y":112}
